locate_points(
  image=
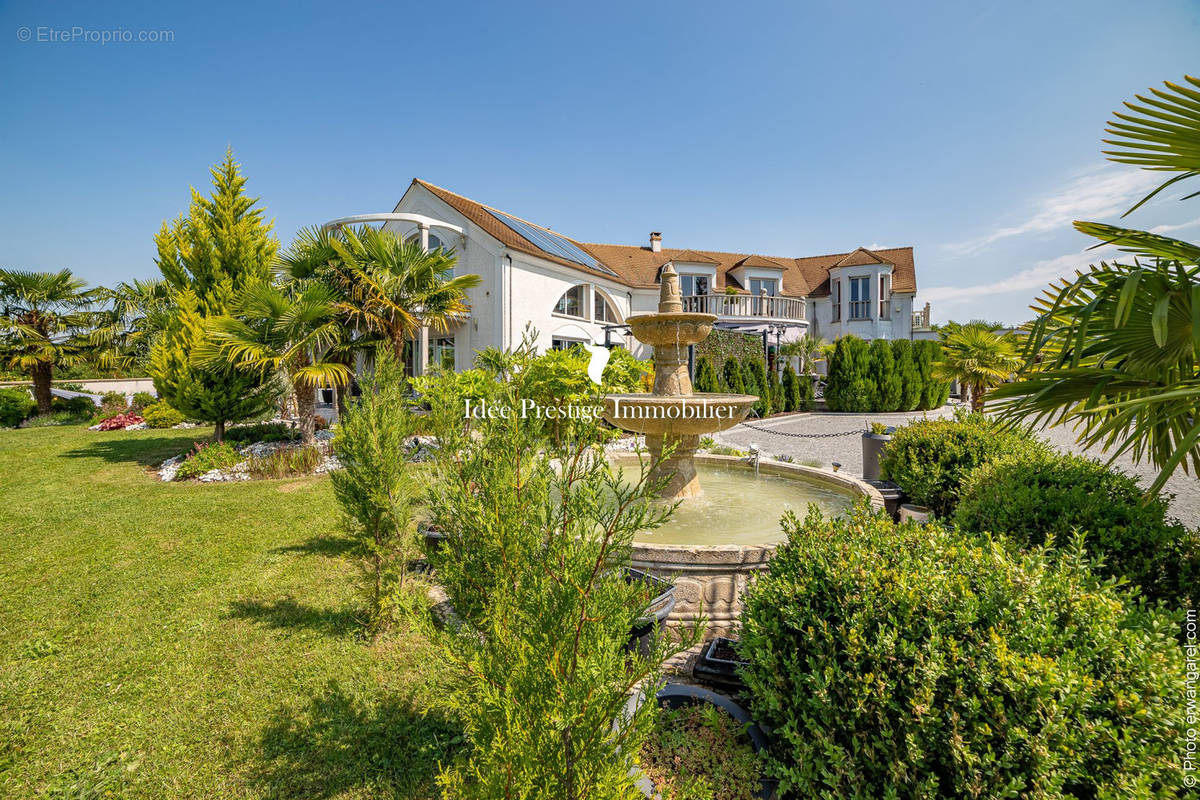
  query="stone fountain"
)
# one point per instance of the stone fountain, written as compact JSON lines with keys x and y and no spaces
{"x":673,"y":417}
{"x":716,"y":542}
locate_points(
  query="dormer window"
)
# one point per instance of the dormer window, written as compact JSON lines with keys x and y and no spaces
{"x":690,"y":285}
{"x":767,"y":286}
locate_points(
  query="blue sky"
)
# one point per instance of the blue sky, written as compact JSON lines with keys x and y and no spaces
{"x":968,"y":130}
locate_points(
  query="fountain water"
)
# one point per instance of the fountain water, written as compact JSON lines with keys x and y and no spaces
{"x":674,"y":417}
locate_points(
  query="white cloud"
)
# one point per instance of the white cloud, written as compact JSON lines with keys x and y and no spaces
{"x":1168,"y":228}
{"x":1037,"y":277}
{"x":1093,"y":194}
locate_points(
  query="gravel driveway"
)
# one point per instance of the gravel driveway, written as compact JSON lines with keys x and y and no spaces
{"x":771,"y":436}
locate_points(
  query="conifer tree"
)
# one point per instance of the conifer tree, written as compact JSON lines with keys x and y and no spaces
{"x":775,"y":390}
{"x":735,"y":379}
{"x":910,"y":378}
{"x":706,"y":376}
{"x":791,"y":389}
{"x":222,"y":246}
{"x":889,"y":389}
{"x":849,"y":386}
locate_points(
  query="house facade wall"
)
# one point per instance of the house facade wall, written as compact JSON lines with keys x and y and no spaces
{"x":516,"y":289}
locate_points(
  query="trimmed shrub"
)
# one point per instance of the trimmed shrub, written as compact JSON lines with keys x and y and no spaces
{"x":205,"y":458}
{"x":791,"y":389}
{"x":889,"y":390}
{"x":1034,"y":496}
{"x":934,"y":392}
{"x":706,"y":376}
{"x":930,"y":459}
{"x":849,"y":386}
{"x":161,"y":415}
{"x":262,"y":432}
{"x":808,"y":393}
{"x":775,"y":390}
{"x":904,"y":662}
{"x":734,"y":377}
{"x":81,"y":407}
{"x":15,"y":406}
{"x":910,"y":377}
{"x":141,"y":400}
{"x":756,"y":383}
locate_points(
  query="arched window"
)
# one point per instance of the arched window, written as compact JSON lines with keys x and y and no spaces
{"x":602,"y":309}
{"x":434,"y":241}
{"x":571,"y":302}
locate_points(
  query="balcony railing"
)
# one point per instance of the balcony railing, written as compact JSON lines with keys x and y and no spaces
{"x":860,"y":309}
{"x":885,"y":309}
{"x":920,"y":319}
{"x":746,"y":306}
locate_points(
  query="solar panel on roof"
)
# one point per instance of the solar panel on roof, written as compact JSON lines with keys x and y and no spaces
{"x":551,"y":242}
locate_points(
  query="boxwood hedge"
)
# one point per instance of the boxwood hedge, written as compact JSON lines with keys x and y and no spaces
{"x":912,"y":662}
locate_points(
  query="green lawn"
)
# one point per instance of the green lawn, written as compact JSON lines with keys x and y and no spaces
{"x":182,"y":640}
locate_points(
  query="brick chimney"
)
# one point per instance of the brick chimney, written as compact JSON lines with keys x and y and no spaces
{"x":655,"y":242}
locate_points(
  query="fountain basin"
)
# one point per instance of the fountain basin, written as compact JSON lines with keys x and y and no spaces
{"x":676,"y":328}
{"x":688,"y":415}
{"x":712,"y":577}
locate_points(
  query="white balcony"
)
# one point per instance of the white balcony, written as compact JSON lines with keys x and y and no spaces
{"x":747,"y":307}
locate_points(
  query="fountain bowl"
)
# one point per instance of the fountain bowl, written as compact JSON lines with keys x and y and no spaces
{"x":711,"y":578}
{"x":676,"y":328}
{"x":687,"y":415}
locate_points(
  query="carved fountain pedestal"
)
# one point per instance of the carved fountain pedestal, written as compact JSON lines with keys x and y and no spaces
{"x":673,"y":417}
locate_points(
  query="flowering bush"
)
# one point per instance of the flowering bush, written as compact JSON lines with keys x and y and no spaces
{"x":121,"y":421}
{"x":205,"y":458}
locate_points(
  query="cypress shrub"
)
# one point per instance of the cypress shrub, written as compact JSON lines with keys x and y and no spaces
{"x":849,"y":386}
{"x":756,"y":383}
{"x":889,"y":390}
{"x":790,"y":387}
{"x":902,"y":661}
{"x":706,"y":376}
{"x":1036,"y":496}
{"x":775,"y":390}
{"x":808,"y":393}
{"x":910,"y":378}
{"x":934,"y":392}
{"x":735,"y":378}
{"x":931,"y":459}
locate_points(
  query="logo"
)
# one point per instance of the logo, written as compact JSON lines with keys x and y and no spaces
{"x":600,"y":355}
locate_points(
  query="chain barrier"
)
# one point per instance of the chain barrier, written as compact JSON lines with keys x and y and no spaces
{"x":855,"y":432}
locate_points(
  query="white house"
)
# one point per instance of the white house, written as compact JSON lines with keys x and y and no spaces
{"x":571,"y":291}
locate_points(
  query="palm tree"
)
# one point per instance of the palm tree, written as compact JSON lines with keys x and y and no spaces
{"x":44,"y":319}
{"x":1115,"y":353}
{"x":388,"y":289}
{"x":292,"y":331}
{"x":977,"y":358}
{"x":137,"y":313}
{"x":808,"y":347}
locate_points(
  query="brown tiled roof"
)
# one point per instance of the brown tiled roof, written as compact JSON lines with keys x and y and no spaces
{"x":639,"y":266}
{"x":759,"y":261}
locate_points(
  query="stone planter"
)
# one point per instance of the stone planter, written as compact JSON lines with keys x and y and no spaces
{"x":654,"y":621}
{"x":872,"y":449}
{"x":893,"y":496}
{"x":918,"y":514}
{"x":718,"y":666}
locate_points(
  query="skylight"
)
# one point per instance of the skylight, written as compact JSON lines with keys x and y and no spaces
{"x":551,"y":242}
